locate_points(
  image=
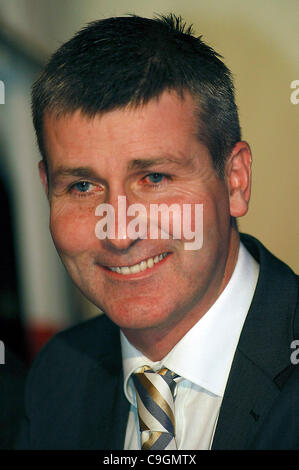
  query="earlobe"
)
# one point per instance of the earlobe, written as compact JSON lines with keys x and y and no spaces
{"x":43,"y":174}
{"x":239,"y":178}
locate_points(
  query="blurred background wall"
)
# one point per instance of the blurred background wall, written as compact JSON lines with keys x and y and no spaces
{"x":259,"y":42}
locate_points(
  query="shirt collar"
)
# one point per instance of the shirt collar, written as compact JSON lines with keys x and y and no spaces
{"x":204,"y":355}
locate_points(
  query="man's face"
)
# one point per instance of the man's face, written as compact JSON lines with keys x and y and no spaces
{"x":149,"y":154}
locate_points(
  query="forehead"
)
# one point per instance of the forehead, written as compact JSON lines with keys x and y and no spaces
{"x":163,"y":126}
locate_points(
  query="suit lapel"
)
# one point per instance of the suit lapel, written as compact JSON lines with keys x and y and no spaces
{"x":118,"y":418}
{"x":262,"y":354}
{"x":248,"y":397}
{"x":104,"y":411}
{"x":104,"y":408}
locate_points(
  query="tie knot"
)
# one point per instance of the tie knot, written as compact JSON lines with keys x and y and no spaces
{"x":164,"y":371}
{"x":171,"y":378}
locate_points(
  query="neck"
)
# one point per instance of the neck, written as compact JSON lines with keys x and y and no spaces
{"x":156,"y":342}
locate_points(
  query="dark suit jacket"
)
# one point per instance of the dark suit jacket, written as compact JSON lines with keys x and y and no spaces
{"x":75,"y":399}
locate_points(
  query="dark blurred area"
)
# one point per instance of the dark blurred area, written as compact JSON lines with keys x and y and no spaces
{"x":12,"y":331}
{"x":36,"y":297}
{"x":12,"y":322}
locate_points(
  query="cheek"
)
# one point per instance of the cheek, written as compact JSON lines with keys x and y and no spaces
{"x":73,"y":231}
{"x":218,"y":216}
{"x":207,"y":218}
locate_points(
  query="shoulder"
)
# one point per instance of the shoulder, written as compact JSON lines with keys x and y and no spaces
{"x":272,"y":323}
{"x":72,"y":351}
{"x":65,"y":382}
{"x":275,"y":277}
{"x":88,"y":339}
{"x":278,"y":287}
{"x":266,"y":259}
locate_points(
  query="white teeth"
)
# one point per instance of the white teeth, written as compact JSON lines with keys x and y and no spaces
{"x":135,"y":269}
{"x":125,"y":270}
{"x":142,"y":266}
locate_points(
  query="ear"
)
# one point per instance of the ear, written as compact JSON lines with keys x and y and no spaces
{"x":238,"y":173}
{"x":43,"y":174}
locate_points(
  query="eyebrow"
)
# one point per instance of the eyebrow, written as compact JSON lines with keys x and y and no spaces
{"x":143,"y":164}
{"x":78,"y":172}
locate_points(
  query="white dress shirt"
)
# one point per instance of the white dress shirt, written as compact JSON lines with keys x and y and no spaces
{"x":203,"y":358}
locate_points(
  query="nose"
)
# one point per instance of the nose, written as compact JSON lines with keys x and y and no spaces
{"x":112,"y":228}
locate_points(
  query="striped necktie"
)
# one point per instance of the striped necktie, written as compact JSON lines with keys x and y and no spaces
{"x":155,"y":401}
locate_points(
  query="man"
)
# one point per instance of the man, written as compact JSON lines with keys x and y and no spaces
{"x":193,"y":350}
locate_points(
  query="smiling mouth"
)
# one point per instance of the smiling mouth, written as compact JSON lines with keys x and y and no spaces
{"x":137,"y":268}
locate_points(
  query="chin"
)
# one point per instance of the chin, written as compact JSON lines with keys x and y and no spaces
{"x":137,"y":314}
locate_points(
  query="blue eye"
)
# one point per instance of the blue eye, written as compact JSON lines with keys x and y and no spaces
{"x":82,"y":186}
{"x":156,"y":177}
